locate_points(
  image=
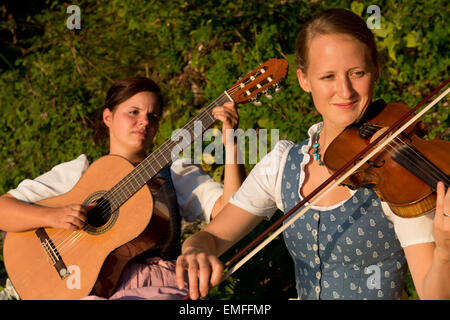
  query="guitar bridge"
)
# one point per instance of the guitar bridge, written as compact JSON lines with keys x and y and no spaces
{"x":52,"y":253}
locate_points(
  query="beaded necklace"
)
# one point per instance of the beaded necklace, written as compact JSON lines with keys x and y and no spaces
{"x":316,"y":145}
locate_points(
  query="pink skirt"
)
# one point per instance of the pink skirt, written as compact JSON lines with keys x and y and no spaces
{"x":154,"y":280}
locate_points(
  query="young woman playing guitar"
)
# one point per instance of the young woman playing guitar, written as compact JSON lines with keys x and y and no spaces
{"x":132,"y":112}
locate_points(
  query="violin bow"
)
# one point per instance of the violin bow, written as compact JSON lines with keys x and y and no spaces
{"x":359,"y":162}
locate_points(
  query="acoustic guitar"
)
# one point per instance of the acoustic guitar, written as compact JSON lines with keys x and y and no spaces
{"x":49,"y":263}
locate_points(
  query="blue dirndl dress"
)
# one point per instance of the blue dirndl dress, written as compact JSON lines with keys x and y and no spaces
{"x":348,"y":252}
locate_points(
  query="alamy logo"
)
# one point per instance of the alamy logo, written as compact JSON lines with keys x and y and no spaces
{"x":74,"y":279}
{"x":74,"y":20}
{"x":374,"y":21}
{"x":257,"y":145}
{"x":374,"y":280}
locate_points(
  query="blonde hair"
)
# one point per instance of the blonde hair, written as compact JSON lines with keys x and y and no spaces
{"x":333,"y":21}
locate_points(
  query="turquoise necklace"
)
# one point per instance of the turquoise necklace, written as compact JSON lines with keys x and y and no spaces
{"x":316,"y":145}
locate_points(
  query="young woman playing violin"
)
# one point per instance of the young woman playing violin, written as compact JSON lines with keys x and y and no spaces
{"x":131,"y":115}
{"x":349,"y":245}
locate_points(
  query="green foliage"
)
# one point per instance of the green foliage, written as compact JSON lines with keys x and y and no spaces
{"x":409,"y":287}
{"x":53,"y":80}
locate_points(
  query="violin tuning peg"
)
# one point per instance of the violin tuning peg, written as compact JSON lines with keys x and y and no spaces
{"x":257,"y":103}
{"x":269,"y":96}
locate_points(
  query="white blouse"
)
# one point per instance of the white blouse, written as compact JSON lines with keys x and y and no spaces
{"x":196,"y":191}
{"x":260,"y":194}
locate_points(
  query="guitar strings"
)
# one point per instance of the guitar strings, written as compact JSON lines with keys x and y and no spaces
{"x":433,"y":174}
{"x":31,"y":271}
{"x":415,"y":158}
{"x":76,"y":235}
{"x":128,"y":178}
{"x":104,"y":212}
{"x":391,"y":151}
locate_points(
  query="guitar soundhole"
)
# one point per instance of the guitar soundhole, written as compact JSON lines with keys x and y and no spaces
{"x":100,"y":218}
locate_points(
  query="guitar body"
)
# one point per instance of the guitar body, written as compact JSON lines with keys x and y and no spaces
{"x":100,"y":254}
{"x":51,"y":263}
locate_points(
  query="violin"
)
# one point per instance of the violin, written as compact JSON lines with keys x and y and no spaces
{"x":401,"y":153}
{"x":404,"y":173}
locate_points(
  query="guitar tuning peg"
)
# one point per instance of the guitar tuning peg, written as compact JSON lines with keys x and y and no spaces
{"x":257,"y":103}
{"x":278,"y":89}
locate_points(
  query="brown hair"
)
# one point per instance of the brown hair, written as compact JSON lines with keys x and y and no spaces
{"x":126,"y":88}
{"x":119,"y":92}
{"x":333,"y":21}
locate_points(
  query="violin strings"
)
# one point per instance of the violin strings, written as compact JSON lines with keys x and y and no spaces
{"x":323,"y":191}
{"x":436,"y":175}
{"x":413,"y":154}
{"x":423,"y":165}
{"x":415,"y":159}
{"x":434,"y":172}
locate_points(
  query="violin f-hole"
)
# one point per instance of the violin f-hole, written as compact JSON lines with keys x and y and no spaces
{"x":367,"y":131}
{"x":375,"y":165}
{"x":406,"y":136}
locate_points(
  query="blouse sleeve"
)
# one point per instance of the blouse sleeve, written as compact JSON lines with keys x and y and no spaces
{"x":59,"y":180}
{"x":411,"y":231}
{"x":260,"y":193}
{"x":196,"y":191}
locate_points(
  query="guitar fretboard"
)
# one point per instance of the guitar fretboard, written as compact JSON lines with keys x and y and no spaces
{"x":162,"y":156}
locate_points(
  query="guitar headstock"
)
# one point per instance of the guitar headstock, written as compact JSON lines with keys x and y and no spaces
{"x":259,"y":80}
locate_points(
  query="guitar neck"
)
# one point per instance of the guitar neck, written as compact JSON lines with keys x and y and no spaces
{"x":162,"y":156}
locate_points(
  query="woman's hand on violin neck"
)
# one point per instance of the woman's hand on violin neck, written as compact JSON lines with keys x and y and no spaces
{"x":441,"y":229}
{"x":204,"y":271}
